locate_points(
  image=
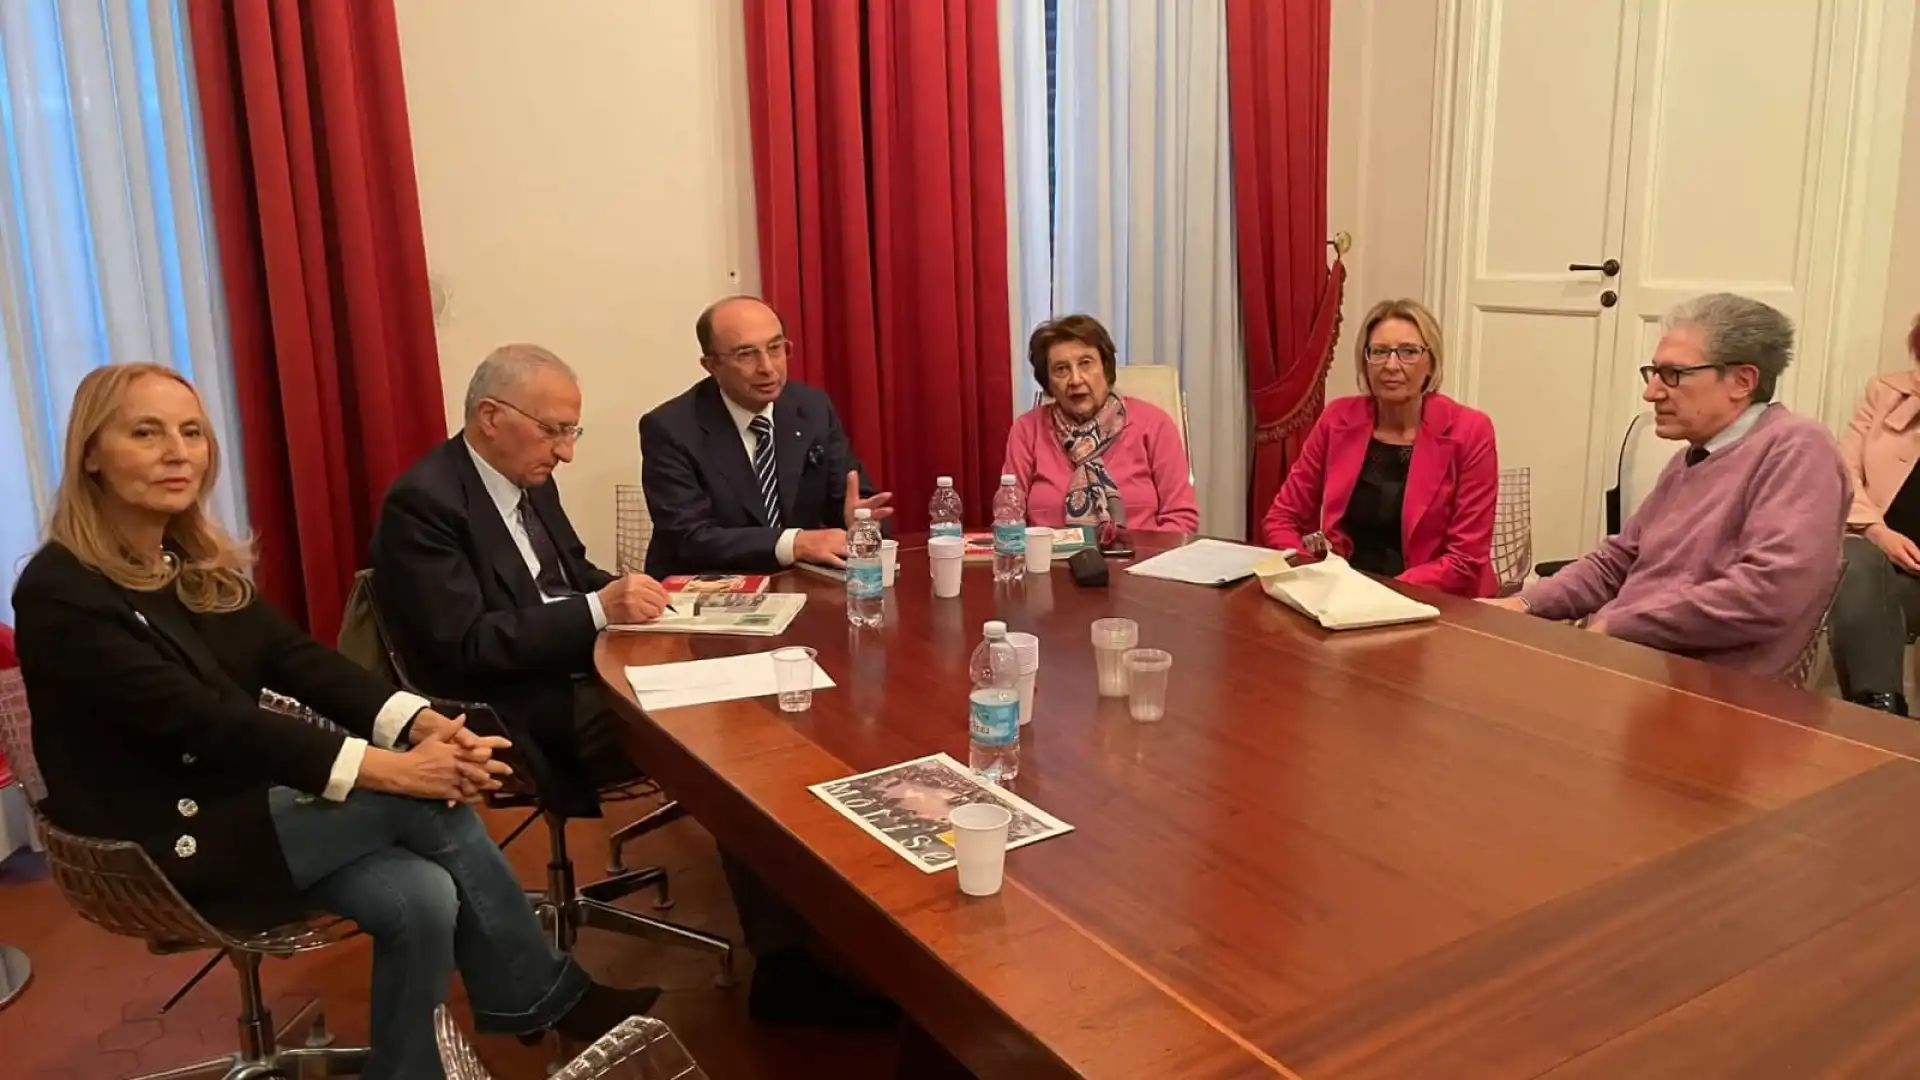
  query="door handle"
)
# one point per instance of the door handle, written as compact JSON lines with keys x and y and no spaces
{"x":1610,"y":268}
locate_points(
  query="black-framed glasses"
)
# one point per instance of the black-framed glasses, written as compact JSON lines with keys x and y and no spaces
{"x":556,"y":432}
{"x":1672,"y":375}
{"x":1380,"y":354}
{"x":749,"y":355}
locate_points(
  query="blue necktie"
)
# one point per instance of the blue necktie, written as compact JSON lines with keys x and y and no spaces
{"x":762,"y":429}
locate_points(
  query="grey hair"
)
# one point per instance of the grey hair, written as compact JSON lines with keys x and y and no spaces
{"x":508,"y":368}
{"x":1740,"y":331}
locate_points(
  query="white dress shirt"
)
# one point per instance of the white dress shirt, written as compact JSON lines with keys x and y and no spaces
{"x":400,"y":709}
{"x":782,"y":548}
{"x":506,"y":499}
{"x":1737,"y":430}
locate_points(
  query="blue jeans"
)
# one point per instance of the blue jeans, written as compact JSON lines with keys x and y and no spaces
{"x":428,"y":885}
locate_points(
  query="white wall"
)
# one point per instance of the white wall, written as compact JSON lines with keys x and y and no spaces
{"x":1379,"y":148}
{"x":585,"y":183}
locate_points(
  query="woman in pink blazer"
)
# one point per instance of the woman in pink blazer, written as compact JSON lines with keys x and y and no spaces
{"x":1401,"y":481}
{"x":1878,"y":603}
{"x":1076,"y":453}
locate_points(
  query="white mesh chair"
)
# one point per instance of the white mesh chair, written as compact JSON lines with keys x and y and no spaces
{"x":1513,"y":530}
{"x":632,"y":528}
{"x":640,"y":1048}
{"x":1156,"y":384}
{"x":1643,"y":457}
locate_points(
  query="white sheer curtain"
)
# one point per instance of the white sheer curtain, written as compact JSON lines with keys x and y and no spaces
{"x":1141,"y":226}
{"x":106,"y":249}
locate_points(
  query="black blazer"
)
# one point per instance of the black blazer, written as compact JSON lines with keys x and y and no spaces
{"x":147,"y":727}
{"x":466,"y":616}
{"x":708,"y":515}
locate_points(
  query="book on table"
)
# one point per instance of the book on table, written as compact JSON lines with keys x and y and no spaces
{"x":1067,"y":541}
{"x":754,"y":614}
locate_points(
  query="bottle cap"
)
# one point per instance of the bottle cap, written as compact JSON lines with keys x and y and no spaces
{"x":863,"y":514}
{"x":1008,"y":478}
{"x":995,"y":628}
{"x":944,"y":481}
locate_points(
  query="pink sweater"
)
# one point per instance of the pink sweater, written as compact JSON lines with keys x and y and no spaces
{"x":1147,"y":461}
{"x":1732,"y":561}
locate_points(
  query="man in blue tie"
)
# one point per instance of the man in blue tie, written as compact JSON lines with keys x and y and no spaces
{"x":747,"y":472}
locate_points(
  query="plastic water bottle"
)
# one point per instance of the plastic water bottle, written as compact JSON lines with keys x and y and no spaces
{"x":864,"y":600}
{"x":1009,"y":531}
{"x":993,"y":724}
{"x":943,"y":513}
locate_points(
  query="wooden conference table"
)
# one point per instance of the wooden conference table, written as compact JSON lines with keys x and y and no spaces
{"x":1485,"y":848}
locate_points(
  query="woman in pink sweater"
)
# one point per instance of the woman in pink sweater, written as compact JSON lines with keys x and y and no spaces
{"x":1076,"y":452}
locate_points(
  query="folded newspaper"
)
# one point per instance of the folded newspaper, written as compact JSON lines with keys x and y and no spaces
{"x":906,"y":806}
{"x":1337,"y":596}
{"x":752,"y":614}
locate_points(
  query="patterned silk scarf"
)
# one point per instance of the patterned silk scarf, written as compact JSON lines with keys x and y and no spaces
{"x":1088,"y":491}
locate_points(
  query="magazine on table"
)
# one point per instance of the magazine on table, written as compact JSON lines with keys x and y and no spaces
{"x":906,"y":807}
{"x":717,"y":583}
{"x":754,"y":614}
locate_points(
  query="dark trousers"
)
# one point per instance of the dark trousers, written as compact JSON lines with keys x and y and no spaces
{"x":1877,"y":606}
{"x":768,"y":924}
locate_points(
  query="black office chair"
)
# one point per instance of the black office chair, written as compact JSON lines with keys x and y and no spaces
{"x":564,"y":906}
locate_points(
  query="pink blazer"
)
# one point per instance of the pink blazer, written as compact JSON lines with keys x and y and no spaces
{"x":1146,"y":460}
{"x":1453,"y":482}
{"x":1881,"y":444}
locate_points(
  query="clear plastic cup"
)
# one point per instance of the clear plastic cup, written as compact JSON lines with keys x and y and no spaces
{"x":1147,"y":672}
{"x":1111,"y":639}
{"x":980,"y":846}
{"x":793,"y":677}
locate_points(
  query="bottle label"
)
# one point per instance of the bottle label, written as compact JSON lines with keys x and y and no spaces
{"x":995,"y":721}
{"x":946,"y":528}
{"x":864,"y":579}
{"x":1009,"y":538}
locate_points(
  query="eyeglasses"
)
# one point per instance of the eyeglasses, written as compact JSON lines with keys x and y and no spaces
{"x":749,"y":355}
{"x":556,"y":432}
{"x":1672,"y":375}
{"x":1378,"y":355}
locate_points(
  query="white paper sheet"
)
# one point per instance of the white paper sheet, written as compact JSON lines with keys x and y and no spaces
{"x":1204,"y":562}
{"x":698,"y":682}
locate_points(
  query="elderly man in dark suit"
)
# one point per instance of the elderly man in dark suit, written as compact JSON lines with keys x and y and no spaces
{"x":487,"y":589}
{"x":747,"y":472}
{"x":489,"y":596}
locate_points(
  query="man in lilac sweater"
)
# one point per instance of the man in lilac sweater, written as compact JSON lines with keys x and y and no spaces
{"x":1735,"y":554}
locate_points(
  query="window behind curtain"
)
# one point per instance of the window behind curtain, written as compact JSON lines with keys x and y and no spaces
{"x":106,"y":247}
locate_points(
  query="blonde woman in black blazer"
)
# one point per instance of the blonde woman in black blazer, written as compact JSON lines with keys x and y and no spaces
{"x":144,"y":651}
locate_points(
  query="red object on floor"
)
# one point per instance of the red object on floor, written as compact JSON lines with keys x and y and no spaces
{"x":1278,"y":58}
{"x":879,"y":171}
{"x":335,"y":365}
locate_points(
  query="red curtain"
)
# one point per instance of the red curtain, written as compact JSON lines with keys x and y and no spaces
{"x":1277,"y":71}
{"x":881,"y":193}
{"x":325,"y":269}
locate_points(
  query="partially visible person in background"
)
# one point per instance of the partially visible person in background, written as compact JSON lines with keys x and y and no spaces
{"x":1878,"y":607}
{"x":1087,"y":447}
{"x":1735,"y":554}
{"x":1402,"y":480}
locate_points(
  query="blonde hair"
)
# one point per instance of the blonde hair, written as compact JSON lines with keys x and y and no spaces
{"x":1412,"y":311}
{"x":209,"y":571}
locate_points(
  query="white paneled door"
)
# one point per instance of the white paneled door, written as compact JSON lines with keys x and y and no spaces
{"x":1606,"y":159}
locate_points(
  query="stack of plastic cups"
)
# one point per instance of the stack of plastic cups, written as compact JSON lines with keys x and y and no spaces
{"x":1111,"y":640}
